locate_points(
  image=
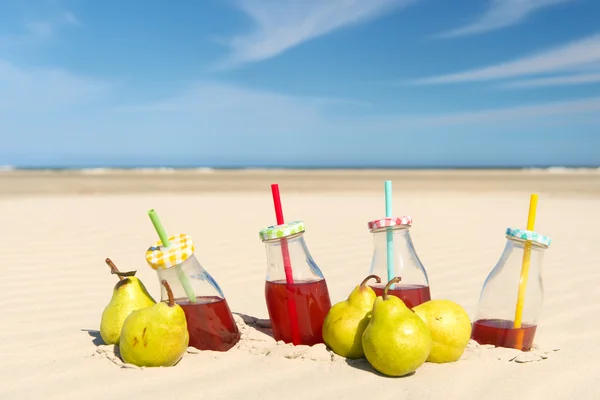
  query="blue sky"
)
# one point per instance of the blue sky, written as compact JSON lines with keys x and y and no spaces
{"x":300,"y":82}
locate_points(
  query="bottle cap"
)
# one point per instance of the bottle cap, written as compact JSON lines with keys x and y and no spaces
{"x":159,"y":257}
{"x":281,"y":231}
{"x":390,"y":221}
{"x":530,"y":236}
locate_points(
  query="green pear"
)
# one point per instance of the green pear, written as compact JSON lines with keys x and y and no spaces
{"x":347,"y":320}
{"x":450,"y":329}
{"x":155,"y":336}
{"x":396,"y":342}
{"x":129,"y":294}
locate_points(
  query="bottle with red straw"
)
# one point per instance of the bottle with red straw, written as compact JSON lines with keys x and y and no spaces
{"x":295,"y":289}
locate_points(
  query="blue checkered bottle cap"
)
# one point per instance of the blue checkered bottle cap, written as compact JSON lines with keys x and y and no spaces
{"x":529,"y":236}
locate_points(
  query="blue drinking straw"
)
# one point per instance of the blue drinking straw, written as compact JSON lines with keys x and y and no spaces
{"x":389,"y":233}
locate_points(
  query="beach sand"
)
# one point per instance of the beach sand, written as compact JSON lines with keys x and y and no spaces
{"x":59,"y":227}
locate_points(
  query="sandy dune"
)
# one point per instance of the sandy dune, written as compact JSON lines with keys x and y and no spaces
{"x":55,"y":284}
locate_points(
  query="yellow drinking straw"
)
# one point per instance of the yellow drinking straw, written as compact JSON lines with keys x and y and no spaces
{"x":525,"y":265}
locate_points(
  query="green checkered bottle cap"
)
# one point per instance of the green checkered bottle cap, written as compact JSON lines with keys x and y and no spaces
{"x":530,"y":236}
{"x":281,"y":231}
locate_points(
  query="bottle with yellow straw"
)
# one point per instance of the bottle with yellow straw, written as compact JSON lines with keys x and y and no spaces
{"x":511,"y":299}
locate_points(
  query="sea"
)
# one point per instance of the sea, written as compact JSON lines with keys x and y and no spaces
{"x":98,"y":170}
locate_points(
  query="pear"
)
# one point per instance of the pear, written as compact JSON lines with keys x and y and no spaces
{"x":450,"y":329}
{"x":129,"y":294}
{"x":396,"y":342}
{"x":346,"y":321}
{"x":155,"y":336}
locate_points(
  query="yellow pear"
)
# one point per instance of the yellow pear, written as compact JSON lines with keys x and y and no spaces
{"x":347,"y":320}
{"x":129,"y":294}
{"x":396,"y":342}
{"x":155,"y":336}
{"x":450,"y":329}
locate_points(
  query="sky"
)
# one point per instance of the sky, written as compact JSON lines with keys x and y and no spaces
{"x":243,"y":83}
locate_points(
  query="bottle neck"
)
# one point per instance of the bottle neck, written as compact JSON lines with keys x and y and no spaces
{"x":395,"y":244}
{"x":189,"y":281}
{"x":519,"y":252}
{"x":290,"y":254}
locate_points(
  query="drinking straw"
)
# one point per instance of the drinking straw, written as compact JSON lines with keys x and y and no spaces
{"x":525,"y":264}
{"x":164,"y":238}
{"x":389,"y":234}
{"x":287,"y":266}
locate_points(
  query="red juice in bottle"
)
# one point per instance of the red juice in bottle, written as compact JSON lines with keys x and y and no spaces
{"x":210,"y":323}
{"x":411,"y":295}
{"x":312,"y":303}
{"x":500,"y":333}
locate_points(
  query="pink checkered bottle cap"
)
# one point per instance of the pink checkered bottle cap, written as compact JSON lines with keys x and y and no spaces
{"x":390,"y":221}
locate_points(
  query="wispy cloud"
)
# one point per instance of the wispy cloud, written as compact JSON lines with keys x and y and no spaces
{"x":42,"y":89}
{"x":71,"y":18}
{"x":283,"y":24}
{"x":218,"y":101}
{"x":572,"y":57}
{"x":525,"y":112}
{"x":37,"y":31}
{"x":566,"y":80}
{"x":40,"y":29}
{"x":502,"y":14}
{"x":235,"y":122}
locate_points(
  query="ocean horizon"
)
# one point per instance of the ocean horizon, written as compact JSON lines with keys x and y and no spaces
{"x":97,"y":169}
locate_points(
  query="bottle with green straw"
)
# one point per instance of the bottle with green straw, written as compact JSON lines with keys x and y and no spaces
{"x":209,"y":320}
{"x":394,"y":255}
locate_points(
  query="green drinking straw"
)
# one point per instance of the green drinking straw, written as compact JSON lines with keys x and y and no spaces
{"x":164,"y":238}
{"x":389,"y":233}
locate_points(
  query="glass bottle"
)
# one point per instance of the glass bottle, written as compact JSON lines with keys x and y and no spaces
{"x":391,"y":240}
{"x":295,"y":290}
{"x":511,"y":299}
{"x":209,"y":320}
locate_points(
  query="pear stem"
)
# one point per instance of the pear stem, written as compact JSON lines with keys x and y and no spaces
{"x":390,"y":283}
{"x":169,"y":293}
{"x":113,"y":268}
{"x":363,"y":283}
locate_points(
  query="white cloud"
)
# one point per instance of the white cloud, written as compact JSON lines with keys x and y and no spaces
{"x":262,"y":111}
{"x":42,"y":89}
{"x":574,"y":56}
{"x":525,"y":112}
{"x":491,"y":119}
{"x":565,"y":80}
{"x":71,"y":18}
{"x":38,"y":31}
{"x":223,"y":123}
{"x":284,"y":24}
{"x":501,"y":14}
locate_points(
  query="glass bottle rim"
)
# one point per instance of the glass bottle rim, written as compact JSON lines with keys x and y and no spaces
{"x":389,"y":228}
{"x":274,"y":240}
{"x":533,"y":243}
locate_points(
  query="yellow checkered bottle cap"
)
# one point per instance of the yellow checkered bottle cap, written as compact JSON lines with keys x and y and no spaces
{"x":159,"y":257}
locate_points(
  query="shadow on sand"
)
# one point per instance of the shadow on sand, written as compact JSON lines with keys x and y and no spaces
{"x":96,"y":338}
{"x":261,"y":325}
{"x":364,"y":365}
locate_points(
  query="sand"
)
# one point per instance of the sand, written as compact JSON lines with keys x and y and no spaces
{"x":55,"y":283}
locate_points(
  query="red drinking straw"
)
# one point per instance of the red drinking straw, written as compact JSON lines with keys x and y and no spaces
{"x":287,"y":267}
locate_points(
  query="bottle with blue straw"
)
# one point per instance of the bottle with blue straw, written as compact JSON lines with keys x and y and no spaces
{"x":394,"y":255}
